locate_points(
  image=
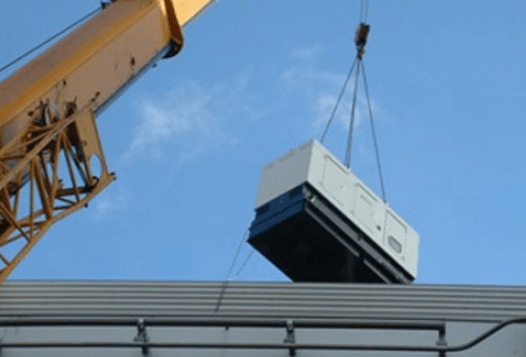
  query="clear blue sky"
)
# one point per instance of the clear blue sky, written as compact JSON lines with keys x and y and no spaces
{"x":257,"y":78}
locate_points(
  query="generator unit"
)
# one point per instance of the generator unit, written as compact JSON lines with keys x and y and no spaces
{"x":317,"y":222}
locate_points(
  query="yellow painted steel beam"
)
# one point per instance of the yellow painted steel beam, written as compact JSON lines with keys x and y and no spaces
{"x":47,"y":116}
{"x":50,"y":194}
{"x":95,"y":61}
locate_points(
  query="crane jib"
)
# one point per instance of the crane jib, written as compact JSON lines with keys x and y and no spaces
{"x":51,"y":158}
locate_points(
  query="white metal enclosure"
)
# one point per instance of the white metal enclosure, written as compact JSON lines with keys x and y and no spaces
{"x":313,"y":164}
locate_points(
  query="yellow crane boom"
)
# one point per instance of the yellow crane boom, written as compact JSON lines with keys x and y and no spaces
{"x":51,"y":158}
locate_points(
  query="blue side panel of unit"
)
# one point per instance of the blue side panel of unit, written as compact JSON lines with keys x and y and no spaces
{"x":308,"y":239}
{"x":278,"y":210}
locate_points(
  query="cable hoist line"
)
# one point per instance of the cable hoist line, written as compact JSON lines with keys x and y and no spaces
{"x":358,"y":68}
{"x":340,"y":96}
{"x":364,"y":10}
{"x":50,"y":39}
{"x":231,"y":277}
{"x":347,"y":161}
{"x":373,"y":131}
{"x":361,"y":10}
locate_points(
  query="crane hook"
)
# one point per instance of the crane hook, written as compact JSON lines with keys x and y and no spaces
{"x":361,"y":38}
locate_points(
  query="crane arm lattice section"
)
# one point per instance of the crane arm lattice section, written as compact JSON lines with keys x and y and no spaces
{"x":46,"y":173}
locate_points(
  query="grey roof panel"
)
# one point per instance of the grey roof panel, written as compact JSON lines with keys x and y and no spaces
{"x":261,"y":300}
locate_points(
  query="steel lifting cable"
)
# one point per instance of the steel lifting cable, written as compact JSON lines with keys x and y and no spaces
{"x":347,"y":161}
{"x":227,"y":281}
{"x":244,"y":264}
{"x":229,"y":276}
{"x":373,"y":131}
{"x":360,"y":41}
{"x":234,"y":260}
{"x":342,"y":91}
{"x":50,"y":39}
{"x":361,"y":9}
{"x":364,"y":10}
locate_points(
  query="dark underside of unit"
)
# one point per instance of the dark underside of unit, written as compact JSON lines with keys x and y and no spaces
{"x":309,"y":240}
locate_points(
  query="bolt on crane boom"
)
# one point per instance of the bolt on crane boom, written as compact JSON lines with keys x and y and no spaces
{"x":51,"y":157}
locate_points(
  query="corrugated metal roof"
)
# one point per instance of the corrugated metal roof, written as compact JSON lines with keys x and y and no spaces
{"x":261,"y":300}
